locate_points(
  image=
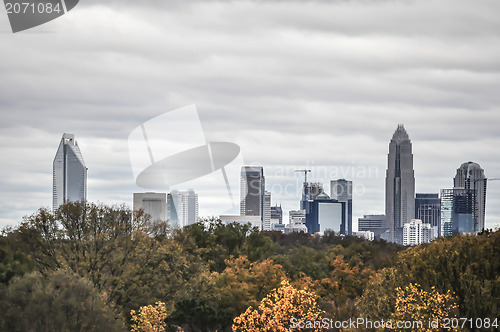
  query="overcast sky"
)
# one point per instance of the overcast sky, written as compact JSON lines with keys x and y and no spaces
{"x":316,"y":84}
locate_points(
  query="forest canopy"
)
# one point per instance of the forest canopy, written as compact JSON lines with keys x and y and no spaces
{"x":92,"y":267}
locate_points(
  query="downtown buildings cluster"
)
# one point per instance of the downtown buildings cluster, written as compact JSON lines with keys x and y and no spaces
{"x":410,"y":218}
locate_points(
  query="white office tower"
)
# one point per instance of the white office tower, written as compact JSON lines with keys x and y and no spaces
{"x":266,"y":211}
{"x":154,"y":204}
{"x":367,"y":235}
{"x":69,"y":173}
{"x":296,"y":222}
{"x":186,"y":207}
{"x":415,"y":232}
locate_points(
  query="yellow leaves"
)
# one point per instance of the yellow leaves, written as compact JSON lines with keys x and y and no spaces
{"x":151,"y":318}
{"x":415,"y":304}
{"x":276,"y":311}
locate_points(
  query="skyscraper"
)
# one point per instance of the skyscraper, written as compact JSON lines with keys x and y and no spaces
{"x":69,"y":173}
{"x":266,"y":211}
{"x":182,"y":207}
{"x":470,"y":176}
{"x":154,"y":204}
{"x":428,"y":209}
{"x":341,"y":190}
{"x":326,"y":214}
{"x":255,"y":200}
{"x":276,"y":214}
{"x":446,"y":212}
{"x":375,"y":223}
{"x":416,"y":232}
{"x":310,"y":191}
{"x":399,"y":184}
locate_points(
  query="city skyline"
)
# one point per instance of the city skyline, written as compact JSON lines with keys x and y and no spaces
{"x":318,"y":86}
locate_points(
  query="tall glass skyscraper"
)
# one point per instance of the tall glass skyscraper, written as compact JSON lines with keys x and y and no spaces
{"x":252,"y":191}
{"x":470,"y":177}
{"x":399,"y":184}
{"x":254,"y":199}
{"x":69,"y":173}
{"x":428,"y":209}
{"x":182,"y":207}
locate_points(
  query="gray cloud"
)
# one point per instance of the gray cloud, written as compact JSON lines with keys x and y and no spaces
{"x":322,"y":83}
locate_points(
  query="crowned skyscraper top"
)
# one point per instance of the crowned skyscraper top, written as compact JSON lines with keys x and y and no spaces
{"x":399,"y":184}
{"x":470,"y":176}
{"x":69,"y":173}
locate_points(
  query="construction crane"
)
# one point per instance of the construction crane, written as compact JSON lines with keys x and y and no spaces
{"x":305,"y":193}
{"x":305,"y":173}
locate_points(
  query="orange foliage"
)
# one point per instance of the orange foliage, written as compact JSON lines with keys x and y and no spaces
{"x":151,"y":318}
{"x":276,"y":311}
{"x":415,"y":304}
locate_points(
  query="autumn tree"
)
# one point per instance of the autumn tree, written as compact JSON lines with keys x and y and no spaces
{"x":197,"y":315}
{"x":463,"y":264}
{"x":279,"y":310}
{"x":61,"y":301}
{"x":244,"y":283}
{"x":414,"y":304}
{"x":344,"y":285}
{"x":150,"y":318}
{"x":379,"y":297}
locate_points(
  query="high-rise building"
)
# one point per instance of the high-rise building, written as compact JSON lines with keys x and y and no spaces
{"x":416,"y":232}
{"x":186,"y":207}
{"x":255,"y":200}
{"x":154,"y":204}
{"x":252,"y":191}
{"x":399,"y":184}
{"x":310,"y":191}
{"x":266,"y":211}
{"x":470,"y":176}
{"x":446,"y":212}
{"x":254,"y":221}
{"x":457,"y":211}
{"x":375,"y":223}
{"x":69,"y":173}
{"x":172,"y":216}
{"x":463,"y":207}
{"x":428,"y":209}
{"x":326,"y":214}
{"x":367,"y":235}
{"x":341,"y":190}
{"x":276,"y":215}
{"x":297,"y":222}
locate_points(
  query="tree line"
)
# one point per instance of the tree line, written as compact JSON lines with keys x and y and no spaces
{"x":93,"y":267}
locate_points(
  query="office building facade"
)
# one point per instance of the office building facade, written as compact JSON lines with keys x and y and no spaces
{"x":252,"y":191}
{"x":182,"y":207}
{"x":154,"y":204}
{"x":428,"y":209}
{"x":416,"y":232}
{"x":276,"y":215}
{"x":266,"y":211}
{"x":326,"y":214}
{"x":341,"y":190}
{"x":399,"y":184}
{"x":375,"y":223}
{"x":69,"y":173}
{"x":310,"y":190}
{"x":470,"y":177}
{"x":296,"y":222}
